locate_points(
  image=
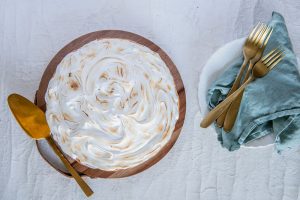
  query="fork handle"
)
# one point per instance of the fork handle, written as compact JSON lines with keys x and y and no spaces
{"x":219,"y":109}
{"x":234,"y":87}
{"x":234,"y":108}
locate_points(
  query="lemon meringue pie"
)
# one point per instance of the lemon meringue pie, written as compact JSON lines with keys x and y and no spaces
{"x":112,"y":104}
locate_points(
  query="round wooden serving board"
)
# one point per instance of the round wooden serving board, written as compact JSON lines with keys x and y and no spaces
{"x":79,"y":42}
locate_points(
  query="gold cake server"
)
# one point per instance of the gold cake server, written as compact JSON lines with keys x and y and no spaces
{"x":33,"y":121}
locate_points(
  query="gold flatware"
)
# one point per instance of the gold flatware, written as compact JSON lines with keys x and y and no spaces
{"x":252,"y":45}
{"x":233,"y":110}
{"x":260,"y":69}
{"x":33,"y":121}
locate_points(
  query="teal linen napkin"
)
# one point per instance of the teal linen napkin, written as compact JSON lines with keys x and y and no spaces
{"x":270,"y":104}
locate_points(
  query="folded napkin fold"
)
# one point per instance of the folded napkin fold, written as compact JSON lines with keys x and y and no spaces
{"x":270,"y":105}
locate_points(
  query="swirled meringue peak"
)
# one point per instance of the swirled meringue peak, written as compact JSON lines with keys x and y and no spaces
{"x":112,"y":104}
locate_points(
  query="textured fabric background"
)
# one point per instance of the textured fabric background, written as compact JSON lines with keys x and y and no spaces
{"x":31,"y":32}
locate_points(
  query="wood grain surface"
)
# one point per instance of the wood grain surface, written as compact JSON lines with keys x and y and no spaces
{"x":79,"y":42}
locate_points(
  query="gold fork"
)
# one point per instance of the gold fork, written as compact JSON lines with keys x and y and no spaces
{"x":233,"y":110}
{"x":252,"y":45}
{"x":260,"y":69}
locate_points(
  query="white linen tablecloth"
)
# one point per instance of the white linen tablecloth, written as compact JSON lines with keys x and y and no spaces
{"x":31,"y":32}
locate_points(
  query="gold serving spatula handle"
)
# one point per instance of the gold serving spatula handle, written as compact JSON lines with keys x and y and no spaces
{"x":86,"y":189}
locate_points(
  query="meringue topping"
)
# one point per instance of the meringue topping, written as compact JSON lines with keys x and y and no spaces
{"x":112,"y":104}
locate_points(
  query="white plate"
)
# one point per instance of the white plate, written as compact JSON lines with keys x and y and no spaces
{"x":214,"y":67}
{"x":53,"y":159}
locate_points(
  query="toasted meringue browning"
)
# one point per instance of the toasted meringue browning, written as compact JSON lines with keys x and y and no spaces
{"x":112,"y":104}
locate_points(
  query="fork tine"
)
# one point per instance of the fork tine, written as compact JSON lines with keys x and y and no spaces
{"x":271,"y":58}
{"x":268,"y":37}
{"x":275,"y":59}
{"x":253,"y":31}
{"x":269,"y":54}
{"x":275,"y":63}
{"x":265,"y":37}
{"x":260,"y":35}
{"x":257,"y":31}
